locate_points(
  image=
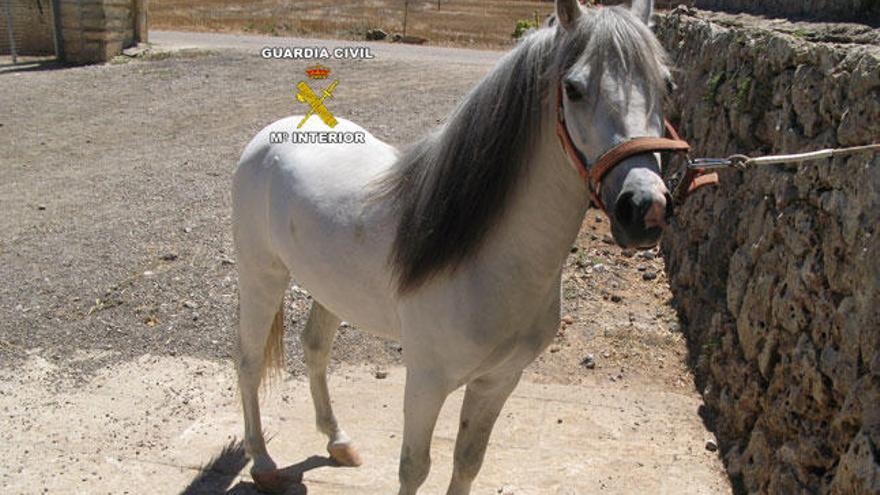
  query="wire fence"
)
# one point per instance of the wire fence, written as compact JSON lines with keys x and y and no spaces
{"x":26,"y":25}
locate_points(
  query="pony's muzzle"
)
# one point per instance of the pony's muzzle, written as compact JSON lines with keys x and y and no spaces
{"x":641,"y":216}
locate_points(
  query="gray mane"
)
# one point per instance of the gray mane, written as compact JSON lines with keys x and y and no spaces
{"x":451,"y":187}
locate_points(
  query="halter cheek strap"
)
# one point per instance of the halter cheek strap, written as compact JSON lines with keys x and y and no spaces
{"x":693,"y":180}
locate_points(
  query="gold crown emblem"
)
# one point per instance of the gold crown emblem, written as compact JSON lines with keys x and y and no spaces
{"x":318,"y":72}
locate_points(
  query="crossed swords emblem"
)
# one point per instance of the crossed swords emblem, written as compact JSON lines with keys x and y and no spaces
{"x":307,"y":96}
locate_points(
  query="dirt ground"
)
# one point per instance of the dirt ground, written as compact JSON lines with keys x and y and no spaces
{"x":119,"y":290}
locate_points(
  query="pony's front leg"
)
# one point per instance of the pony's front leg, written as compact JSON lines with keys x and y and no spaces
{"x":423,"y":397}
{"x":483,"y":401}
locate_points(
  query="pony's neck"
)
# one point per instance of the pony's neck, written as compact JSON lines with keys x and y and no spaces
{"x":546,"y":213}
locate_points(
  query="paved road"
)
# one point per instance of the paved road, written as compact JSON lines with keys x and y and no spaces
{"x":392,"y":51}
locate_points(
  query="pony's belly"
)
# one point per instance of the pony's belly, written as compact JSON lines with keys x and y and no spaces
{"x":352,"y":296}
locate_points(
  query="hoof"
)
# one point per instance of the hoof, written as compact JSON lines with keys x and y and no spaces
{"x":273,"y":481}
{"x":345,"y":455}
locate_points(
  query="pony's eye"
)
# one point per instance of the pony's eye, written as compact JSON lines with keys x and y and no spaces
{"x":572,"y":91}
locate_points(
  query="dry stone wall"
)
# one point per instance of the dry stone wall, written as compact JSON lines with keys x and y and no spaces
{"x":822,"y":9}
{"x":777,"y":273}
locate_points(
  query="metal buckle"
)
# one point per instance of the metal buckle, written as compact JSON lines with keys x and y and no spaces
{"x":739,"y":162}
{"x":709,"y":163}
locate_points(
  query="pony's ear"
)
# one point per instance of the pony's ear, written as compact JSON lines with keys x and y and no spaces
{"x":643,"y":10}
{"x":568,"y":12}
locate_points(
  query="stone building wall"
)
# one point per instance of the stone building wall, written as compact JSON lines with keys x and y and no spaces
{"x":96,"y":30}
{"x":90,"y":30}
{"x":776,"y":273}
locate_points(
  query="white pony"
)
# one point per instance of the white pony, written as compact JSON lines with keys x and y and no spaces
{"x":455,"y":246}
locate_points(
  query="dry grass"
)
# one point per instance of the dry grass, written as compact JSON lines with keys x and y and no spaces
{"x":461,"y":22}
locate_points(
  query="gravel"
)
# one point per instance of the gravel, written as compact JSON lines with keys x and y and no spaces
{"x":137,"y":177}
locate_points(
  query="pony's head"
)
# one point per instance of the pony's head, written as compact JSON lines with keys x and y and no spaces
{"x":613,"y":75}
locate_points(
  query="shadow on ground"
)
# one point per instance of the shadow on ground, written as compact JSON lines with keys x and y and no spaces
{"x":219,"y":473}
{"x":32,"y":66}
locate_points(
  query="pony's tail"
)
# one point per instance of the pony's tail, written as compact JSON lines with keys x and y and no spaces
{"x":273,"y":354}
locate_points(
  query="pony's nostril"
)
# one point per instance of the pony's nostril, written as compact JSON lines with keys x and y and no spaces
{"x":643,"y":207}
{"x":625,"y":209}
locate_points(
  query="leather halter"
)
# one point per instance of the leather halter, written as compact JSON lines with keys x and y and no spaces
{"x":692,"y":180}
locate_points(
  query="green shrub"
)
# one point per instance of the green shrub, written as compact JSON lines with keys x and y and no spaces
{"x":524,"y":25}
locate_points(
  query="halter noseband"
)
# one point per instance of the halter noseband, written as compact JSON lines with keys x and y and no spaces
{"x":692,"y":180}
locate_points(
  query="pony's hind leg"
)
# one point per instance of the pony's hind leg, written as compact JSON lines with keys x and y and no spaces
{"x":317,"y":341}
{"x":260,"y":332}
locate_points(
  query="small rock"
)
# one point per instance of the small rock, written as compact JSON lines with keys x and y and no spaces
{"x":616,"y":298}
{"x":607,"y":239}
{"x":376,"y":35}
{"x":41,"y":207}
{"x":136,"y":51}
{"x":187,"y":230}
{"x":168,"y":257}
{"x":650,"y":275}
{"x":599,"y":268}
{"x":574,"y":249}
{"x":567,"y":319}
{"x":589,"y":362}
{"x":648,"y":255}
{"x":711,"y":446}
{"x":190,"y":305}
{"x":554,"y":350}
{"x":226,"y":261}
{"x":381,"y":375}
{"x":628,"y":253}
{"x":642,"y":268}
{"x":559,"y":421}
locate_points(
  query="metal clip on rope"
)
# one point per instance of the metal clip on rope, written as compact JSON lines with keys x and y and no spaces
{"x":742,"y":162}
